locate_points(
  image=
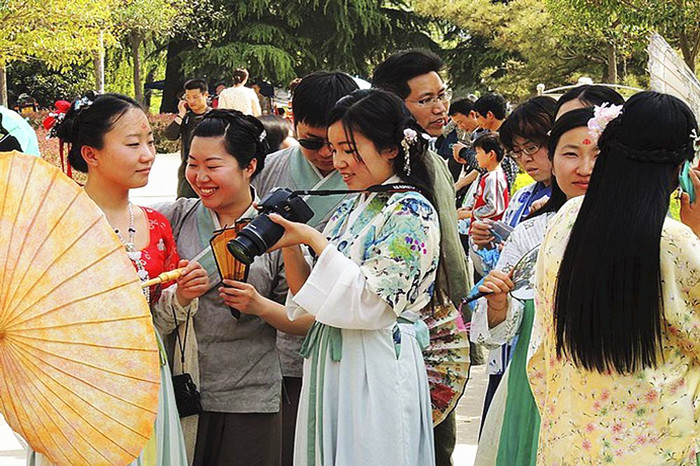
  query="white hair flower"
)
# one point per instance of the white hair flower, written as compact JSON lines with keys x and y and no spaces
{"x":602,"y":115}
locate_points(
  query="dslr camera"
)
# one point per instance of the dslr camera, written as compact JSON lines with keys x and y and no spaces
{"x":262,"y":233}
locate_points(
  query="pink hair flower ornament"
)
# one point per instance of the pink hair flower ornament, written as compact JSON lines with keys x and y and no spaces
{"x":602,"y":115}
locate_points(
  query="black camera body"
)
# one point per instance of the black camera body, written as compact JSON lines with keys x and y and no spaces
{"x":187,"y":397}
{"x":262,"y":233}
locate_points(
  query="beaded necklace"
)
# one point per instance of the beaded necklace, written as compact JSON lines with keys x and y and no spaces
{"x":131,"y":251}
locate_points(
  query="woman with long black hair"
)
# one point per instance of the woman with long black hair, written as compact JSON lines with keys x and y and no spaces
{"x":615,"y":355}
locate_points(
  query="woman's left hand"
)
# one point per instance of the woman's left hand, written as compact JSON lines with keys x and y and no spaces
{"x":240,"y":295}
{"x":690,"y":213}
{"x":193,"y":283}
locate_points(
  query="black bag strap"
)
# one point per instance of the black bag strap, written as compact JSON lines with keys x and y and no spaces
{"x":181,"y":342}
{"x":378,"y":188}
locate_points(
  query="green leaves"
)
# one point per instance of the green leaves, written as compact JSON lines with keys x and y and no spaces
{"x":281,"y":39}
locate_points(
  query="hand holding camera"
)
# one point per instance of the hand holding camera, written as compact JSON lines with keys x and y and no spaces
{"x":298,"y":233}
{"x":264,"y":232}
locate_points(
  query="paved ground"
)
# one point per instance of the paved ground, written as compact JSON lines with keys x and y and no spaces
{"x":162,"y":187}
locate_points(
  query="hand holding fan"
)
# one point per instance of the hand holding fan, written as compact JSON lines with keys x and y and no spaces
{"x":229,"y":267}
{"x":521,"y":274}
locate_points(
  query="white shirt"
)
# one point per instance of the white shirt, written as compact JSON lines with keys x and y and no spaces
{"x":240,"y":98}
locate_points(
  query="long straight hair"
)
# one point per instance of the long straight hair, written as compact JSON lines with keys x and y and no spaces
{"x":608,"y":309}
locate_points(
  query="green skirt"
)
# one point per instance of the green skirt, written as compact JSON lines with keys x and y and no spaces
{"x":521,"y":420}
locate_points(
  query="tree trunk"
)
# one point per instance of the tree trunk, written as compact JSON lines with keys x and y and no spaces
{"x":174,"y":77}
{"x":612,"y":64}
{"x":689,"y":53}
{"x":135,"y":39}
{"x":147,"y":95}
{"x":98,"y":61}
{"x":3,"y":85}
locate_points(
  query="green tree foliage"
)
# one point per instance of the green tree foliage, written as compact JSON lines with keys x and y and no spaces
{"x":56,"y":32}
{"x":676,"y":20}
{"x":511,"y":46}
{"x":139,"y":20}
{"x":278,"y":40}
{"x":46,"y":85}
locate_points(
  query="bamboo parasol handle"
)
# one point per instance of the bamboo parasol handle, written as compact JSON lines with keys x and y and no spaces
{"x":164,"y":277}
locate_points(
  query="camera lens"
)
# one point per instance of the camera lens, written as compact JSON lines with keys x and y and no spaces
{"x":255,"y":239}
{"x":240,"y":249}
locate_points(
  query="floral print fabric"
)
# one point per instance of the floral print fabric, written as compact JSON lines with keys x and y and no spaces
{"x":647,"y":418}
{"x":395,"y":240}
{"x":160,"y":255}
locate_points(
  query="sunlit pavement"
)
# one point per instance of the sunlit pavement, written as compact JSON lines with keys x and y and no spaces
{"x":162,"y":187}
{"x":11,"y":450}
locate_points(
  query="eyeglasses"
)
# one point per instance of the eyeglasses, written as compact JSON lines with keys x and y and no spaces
{"x":313,"y":144}
{"x":529,"y":150}
{"x":444,"y":98}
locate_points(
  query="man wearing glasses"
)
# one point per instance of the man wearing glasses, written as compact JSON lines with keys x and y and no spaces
{"x":306,"y":166}
{"x":413,"y":75}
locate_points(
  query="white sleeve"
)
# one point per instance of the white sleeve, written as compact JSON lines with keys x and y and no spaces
{"x":163,"y":318}
{"x":336,"y":293}
{"x":513,"y":251}
{"x":500,"y":334}
{"x":495,"y":203}
{"x":255,"y":104}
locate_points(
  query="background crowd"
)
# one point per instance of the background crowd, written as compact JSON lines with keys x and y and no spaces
{"x":593,"y":355}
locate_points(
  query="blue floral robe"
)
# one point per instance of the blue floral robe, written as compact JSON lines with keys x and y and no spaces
{"x":365,"y":397}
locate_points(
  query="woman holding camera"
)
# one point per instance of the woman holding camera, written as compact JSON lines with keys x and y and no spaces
{"x":239,"y":371}
{"x":365,"y":396}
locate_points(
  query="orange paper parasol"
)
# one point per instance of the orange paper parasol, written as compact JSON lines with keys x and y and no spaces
{"x":79,"y":363}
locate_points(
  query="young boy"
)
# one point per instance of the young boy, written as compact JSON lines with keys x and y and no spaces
{"x":491,"y":197}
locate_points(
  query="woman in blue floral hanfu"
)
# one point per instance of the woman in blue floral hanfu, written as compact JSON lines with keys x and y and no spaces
{"x":365,"y":396}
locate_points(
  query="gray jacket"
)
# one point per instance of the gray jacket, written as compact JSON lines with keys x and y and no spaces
{"x":238,"y":363}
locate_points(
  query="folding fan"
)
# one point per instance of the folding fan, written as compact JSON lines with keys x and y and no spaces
{"x":447,"y":357}
{"x":228,"y":266}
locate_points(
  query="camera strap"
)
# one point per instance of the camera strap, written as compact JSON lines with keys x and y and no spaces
{"x":377,"y":188}
{"x":181,"y":342}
